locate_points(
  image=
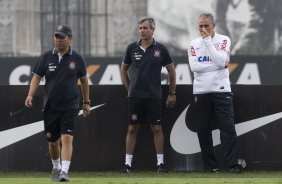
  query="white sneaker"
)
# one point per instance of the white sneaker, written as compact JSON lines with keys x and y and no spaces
{"x":55,"y":174}
{"x":64,"y":177}
{"x":242,"y":162}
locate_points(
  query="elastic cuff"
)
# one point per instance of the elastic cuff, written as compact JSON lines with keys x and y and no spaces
{"x":207,"y":40}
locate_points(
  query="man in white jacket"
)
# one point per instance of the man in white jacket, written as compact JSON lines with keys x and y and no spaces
{"x":209,"y":59}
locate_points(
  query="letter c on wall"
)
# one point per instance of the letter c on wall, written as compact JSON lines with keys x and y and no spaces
{"x":17,"y":73}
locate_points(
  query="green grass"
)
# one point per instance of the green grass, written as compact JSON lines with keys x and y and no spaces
{"x":251,"y":177}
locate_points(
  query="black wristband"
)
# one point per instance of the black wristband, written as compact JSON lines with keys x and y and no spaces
{"x":86,"y":102}
{"x":172,"y":93}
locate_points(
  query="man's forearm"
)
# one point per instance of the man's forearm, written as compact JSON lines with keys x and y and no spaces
{"x":172,"y":84}
{"x":124,"y":76}
{"x":172,"y":78}
{"x":84,"y":88}
{"x":34,"y":84}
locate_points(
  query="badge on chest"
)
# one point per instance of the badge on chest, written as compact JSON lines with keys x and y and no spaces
{"x":137,"y":56}
{"x":72,"y":65}
{"x":51,"y":67}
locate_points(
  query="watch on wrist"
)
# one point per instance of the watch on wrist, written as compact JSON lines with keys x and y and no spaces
{"x":172,"y":93}
{"x":86,"y":102}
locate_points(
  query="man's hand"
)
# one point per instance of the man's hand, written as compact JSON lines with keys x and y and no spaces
{"x":226,"y":64}
{"x":28,"y":101}
{"x":171,"y":101}
{"x":86,"y":109}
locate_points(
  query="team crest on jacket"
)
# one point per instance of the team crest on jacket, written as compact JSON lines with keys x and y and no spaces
{"x":72,"y":65}
{"x":157,"y":53}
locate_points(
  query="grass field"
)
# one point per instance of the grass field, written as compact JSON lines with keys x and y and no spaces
{"x":148,"y":178}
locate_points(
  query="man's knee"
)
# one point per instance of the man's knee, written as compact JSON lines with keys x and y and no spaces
{"x":66,"y":139}
{"x":54,"y":143}
{"x":156,"y":129}
{"x":132,"y":130}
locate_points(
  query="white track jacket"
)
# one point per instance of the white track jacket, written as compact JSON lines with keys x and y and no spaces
{"x":207,"y":60}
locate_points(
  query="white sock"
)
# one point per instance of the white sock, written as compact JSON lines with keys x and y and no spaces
{"x":128,"y":159}
{"x":160,"y":159}
{"x":56,"y":164}
{"x":65,"y":165}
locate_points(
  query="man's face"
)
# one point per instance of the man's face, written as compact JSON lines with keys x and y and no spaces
{"x":205,"y":24}
{"x":62,"y":43}
{"x":145,"y":31}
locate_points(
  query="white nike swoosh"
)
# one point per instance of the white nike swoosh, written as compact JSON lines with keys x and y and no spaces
{"x":184,"y":141}
{"x":8,"y":137}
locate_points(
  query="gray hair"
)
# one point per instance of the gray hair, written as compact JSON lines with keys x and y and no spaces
{"x":207,"y":16}
{"x":150,"y":19}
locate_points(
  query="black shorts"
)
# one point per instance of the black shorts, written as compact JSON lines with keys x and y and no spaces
{"x":144,"y":110}
{"x":59,"y":122}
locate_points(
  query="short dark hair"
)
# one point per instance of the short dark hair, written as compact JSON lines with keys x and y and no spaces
{"x":150,"y":19}
{"x":207,"y":16}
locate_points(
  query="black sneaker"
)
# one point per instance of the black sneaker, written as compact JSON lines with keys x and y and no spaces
{"x":216,"y":170}
{"x":236,"y":169}
{"x":126,"y":169}
{"x":161,"y":168}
